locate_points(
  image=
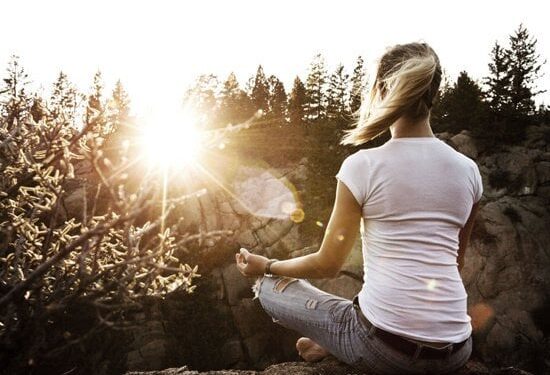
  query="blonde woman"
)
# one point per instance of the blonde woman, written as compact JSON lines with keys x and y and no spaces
{"x":415,"y":198}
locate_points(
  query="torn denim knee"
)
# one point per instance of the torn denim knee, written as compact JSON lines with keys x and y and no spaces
{"x":280,"y":284}
{"x":256,"y":287}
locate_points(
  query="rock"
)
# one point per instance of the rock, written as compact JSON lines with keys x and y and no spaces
{"x":343,"y":286}
{"x":208,"y":212}
{"x":74,"y":202}
{"x":274,"y":231}
{"x":155,"y":353}
{"x":191,"y":212}
{"x":465,"y":145}
{"x":507,"y":269}
{"x":236,"y":285}
{"x":250,"y":318}
{"x":232,"y":351}
{"x":327,"y":366}
{"x":247,"y":239}
{"x":256,"y":346}
{"x":543,"y":172}
{"x":147,"y":332}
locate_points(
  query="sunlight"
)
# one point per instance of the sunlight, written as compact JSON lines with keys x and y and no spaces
{"x":171,"y":140}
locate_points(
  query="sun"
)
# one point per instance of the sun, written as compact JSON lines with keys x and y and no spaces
{"x":171,"y":140}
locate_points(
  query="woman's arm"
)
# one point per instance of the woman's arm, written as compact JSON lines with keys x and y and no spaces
{"x":464,"y":235}
{"x":337,"y":243}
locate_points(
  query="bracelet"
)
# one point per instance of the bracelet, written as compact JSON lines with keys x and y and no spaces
{"x":267,"y":270}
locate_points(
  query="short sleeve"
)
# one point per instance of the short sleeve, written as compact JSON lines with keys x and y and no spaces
{"x":478,"y":184}
{"x":353,"y":174}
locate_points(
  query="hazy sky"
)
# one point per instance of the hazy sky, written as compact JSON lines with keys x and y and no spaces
{"x":158,"y":47}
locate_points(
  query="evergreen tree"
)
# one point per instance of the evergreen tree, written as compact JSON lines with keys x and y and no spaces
{"x":235,"y":105}
{"x":260,"y":91}
{"x":277,"y":99}
{"x":64,"y":99}
{"x":15,"y":101}
{"x":524,"y":70}
{"x":297,"y":103}
{"x":498,"y":82}
{"x":357,"y":85}
{"x":316,"y":103}
{"x":464,"y":108}
{"x":202,"y":97}
{"x":118,"y":107}
{"x":437,"y":112}
{"x":337,"y":93}
{"x":95,"y":102}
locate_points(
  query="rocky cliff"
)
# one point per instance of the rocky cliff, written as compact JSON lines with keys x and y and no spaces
{"x":506,"y":273}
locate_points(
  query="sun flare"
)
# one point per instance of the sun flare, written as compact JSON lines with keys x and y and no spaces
{"x":171,"y":139}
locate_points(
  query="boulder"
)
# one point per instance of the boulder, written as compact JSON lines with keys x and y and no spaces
{"x":465,"y":145}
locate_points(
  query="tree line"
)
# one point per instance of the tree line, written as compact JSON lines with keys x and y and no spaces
{"x":498,"y":107}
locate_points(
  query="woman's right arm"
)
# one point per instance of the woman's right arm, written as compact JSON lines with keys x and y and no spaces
{"x":464,"y":235}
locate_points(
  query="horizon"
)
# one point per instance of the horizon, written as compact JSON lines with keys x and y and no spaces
{"x":162,"y":58}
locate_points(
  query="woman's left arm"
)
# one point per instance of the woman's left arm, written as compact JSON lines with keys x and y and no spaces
{"x":337,"y":243}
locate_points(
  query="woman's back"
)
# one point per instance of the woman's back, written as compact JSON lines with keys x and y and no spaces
{"x":416,"y":194}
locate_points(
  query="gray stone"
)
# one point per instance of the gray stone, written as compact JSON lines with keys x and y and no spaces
{"x":343,"y":286}
{"x":465,"y":144}
{"x":155,"y":353}
{"x":249,"y":318}
{"x":543,"y":172}
{"x":147,"y":332}
{"x":247,"y":239}
{"x":273,"y":232}
{"x":232,"y":352}
{"x":74,"y":203}
{"x":236,"y":285}
{"x":256,"y":345}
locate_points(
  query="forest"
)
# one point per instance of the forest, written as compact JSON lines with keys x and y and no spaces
{"x":74,"y":266}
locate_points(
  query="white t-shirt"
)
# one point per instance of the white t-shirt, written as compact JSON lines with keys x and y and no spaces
{"x":416,"y":193}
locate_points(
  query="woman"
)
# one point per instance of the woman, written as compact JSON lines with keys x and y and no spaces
{"x":418,"y":198}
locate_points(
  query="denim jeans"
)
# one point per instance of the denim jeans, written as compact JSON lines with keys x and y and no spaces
{"x":335,"y":323}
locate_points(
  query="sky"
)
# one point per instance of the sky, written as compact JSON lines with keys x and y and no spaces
{"x":158,"y":48}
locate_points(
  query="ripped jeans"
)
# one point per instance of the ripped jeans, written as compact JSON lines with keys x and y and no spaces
{"x":334,"y":323}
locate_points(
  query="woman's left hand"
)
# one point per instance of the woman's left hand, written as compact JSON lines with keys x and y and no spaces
{"x":250,"y":264}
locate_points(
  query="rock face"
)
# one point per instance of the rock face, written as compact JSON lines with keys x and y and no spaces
{"x":328,"y":366}
{"x":506,"y":273}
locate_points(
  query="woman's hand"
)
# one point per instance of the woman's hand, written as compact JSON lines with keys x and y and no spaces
{"x":250,"y":264}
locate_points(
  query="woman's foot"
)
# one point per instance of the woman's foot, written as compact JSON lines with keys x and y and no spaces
{"x":309,"y":350}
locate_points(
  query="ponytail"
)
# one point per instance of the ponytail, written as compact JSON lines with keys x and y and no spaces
{"x":407,"y":81}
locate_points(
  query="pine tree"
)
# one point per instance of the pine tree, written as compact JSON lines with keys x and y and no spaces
{"x":235,"y":105}
{"x":437,"y":113}
{"x":337,"y":93}
{"x":96,"y":103}
{"x":15,"y":101}
{"x":464,"y":108}
{"x":64,"y":99}
{"x":524,"y":70}
{"x":316,"y":104}
{"x":297,"y":103}
{"x":260,"y":91}
{"x":498,"y":82}
{"x":277,"y":99}
{"x":118,"y":107}
{"x":357,"y":85}
{"x":202,"y":98}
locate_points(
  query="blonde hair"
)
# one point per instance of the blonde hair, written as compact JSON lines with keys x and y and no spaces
{"x":407,"y":80}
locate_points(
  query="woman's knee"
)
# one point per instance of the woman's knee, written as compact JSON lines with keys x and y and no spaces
{"x":271,"y":284}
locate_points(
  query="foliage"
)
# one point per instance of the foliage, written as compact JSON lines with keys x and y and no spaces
{"x":463,"y":106}
{"x":511,"y":86}
{"x":74,"y":234}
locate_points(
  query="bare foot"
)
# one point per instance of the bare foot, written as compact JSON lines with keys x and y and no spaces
{"x":309,"y":350}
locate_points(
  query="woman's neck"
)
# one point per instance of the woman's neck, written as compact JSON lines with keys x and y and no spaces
{"x":402,"y":128}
